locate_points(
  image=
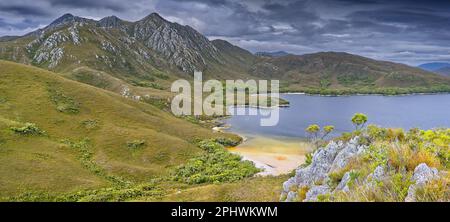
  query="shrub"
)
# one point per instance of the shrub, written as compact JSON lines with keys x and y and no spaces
{"x":64,"y":103}
{"x":227,"y":142}
{"x":399,"y":184}
{"x":136,"y":144}
{"x":422,"y":156}
{"x":376,"y":133}
{"x":86,"y":155}
{"x":301,"y":193}
{"x":215,"y":166}
{"x":345,"y":137}
{"x":375,"y":156}
{"x":28,"y":129}
{"x":359,"y":120}
{"x":210,"y":146}
{"x":308,"y":160}
{"x":402,"y":156}
{"x":90,"y":124}
{"x":336,"y":176}
{"x":434,"y":191}
{"x":395,"y":135}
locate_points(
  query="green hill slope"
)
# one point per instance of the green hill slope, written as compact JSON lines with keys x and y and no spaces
{"x":329,"y":72}
{"x":93,"y":138}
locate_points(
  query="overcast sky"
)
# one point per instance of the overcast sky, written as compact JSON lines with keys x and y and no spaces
{"x":411,"y":32}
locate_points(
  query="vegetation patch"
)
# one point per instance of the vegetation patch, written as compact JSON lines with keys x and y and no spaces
{"x":85,"y":155}
{"x":90,"y":124}
{"x":136,"y":144}
{"x":3,"y":100}
{"x":216,"y":165}
{"x":400,"y":153}
{"x":227,"y":142}
{"x":99,"y":195}
{"x":64,"y":103}
{"x":29,"y":129}
{"x":147,"y":84}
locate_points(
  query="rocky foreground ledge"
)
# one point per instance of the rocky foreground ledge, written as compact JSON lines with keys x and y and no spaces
{"x":318,"y":181}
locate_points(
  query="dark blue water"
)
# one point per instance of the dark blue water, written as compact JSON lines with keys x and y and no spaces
{"x":423,"y":111}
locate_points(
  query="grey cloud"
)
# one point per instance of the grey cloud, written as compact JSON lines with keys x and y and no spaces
{"x":114,"y":5}
{"x":24,"y":10}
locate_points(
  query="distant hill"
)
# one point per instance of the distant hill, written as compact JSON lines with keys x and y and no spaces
{"x":152,"y":52}
{"x":8,"y":38}
{"x":434,"y":66}
{"x":443,"y":71}
{"x":346,"y":73}
{"x":437,"y":67}
{"x":272,"y":54}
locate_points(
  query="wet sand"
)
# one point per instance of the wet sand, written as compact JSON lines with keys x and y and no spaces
{"x":275,"y":155}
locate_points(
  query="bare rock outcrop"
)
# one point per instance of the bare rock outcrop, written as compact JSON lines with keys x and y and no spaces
{"x":333,"y":157}
{"x":422,"y":175}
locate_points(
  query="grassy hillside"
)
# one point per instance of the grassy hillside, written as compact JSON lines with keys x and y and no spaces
{"x":91,"y":135}
{"x":343,"y":73}
{"x":62,"y":140}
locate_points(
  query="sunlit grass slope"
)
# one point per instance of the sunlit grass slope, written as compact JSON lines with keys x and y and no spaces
{"x":89,"y":137}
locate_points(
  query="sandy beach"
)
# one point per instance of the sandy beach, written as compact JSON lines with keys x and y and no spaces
{"x":275,"y":155}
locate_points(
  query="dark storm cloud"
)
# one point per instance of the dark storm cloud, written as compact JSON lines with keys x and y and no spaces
{"x":403,"y":31}
{"x":105,"y":4}
{"x":24,"y":10}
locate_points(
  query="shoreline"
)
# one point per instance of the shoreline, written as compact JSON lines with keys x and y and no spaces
{"x":364,"y":94}
{"x":277,"y":163}
{"x":275,"y":156}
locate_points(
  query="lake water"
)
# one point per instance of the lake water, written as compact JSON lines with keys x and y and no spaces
{"x":423,"y":111}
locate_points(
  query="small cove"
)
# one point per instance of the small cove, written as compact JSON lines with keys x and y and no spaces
{"x":281,"y":148}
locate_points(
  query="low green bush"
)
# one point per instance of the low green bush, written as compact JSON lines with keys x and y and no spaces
{"x":64,"y":103}
{"x":136,"y":144}
{"x":29,"y":129}
{"x":227,"y":142}
{"x":217,"y":165}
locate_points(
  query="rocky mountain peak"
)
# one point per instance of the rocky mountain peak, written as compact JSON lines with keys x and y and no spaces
{"x":180,"y":45}
{"x":110,"y":22}
{"x":154,"y":17}
{"x":65,"y":19}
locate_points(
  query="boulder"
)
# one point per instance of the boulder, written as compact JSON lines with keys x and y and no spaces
{"x":315,"y":191}
{"x":342,"y":186}
{"x":291,"y":196}
{"x":334,"y":156}
{"x":422,"y":175}
{"x":351,"y":149}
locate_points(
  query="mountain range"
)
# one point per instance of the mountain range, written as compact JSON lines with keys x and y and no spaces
{"x":152,"y":52}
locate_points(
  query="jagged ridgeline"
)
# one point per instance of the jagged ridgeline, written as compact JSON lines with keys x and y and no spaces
{"x":152,"y":52}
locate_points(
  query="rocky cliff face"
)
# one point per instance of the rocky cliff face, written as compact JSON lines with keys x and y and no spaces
{"x":151,"y":40}
{"x":314,"y":182}
{"x":180,"y":45}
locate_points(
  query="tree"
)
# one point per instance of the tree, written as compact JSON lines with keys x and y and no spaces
{"x":359,"y":120}
{"x":327,"y":130}
{"x":313,"y":130}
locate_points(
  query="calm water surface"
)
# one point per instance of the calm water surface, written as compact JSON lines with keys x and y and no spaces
{"x":423,"y":111}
